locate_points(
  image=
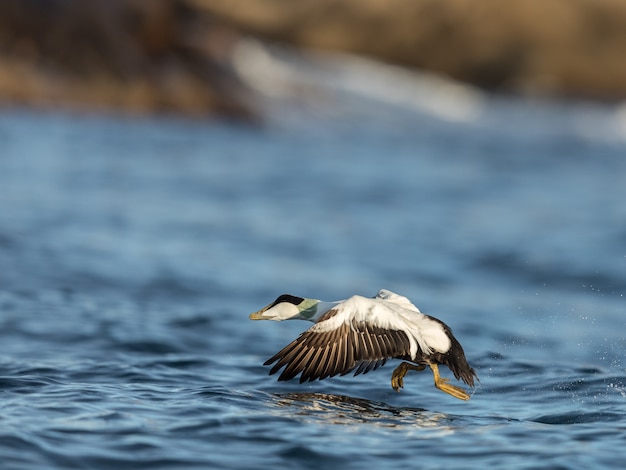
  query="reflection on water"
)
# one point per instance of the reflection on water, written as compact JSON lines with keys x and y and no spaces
{"x":346,"y":410}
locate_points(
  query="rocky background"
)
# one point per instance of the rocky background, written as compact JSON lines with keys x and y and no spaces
{"x":174,"y":55}
{"x":133,"y":55}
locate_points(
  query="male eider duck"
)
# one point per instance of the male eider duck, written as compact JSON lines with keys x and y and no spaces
{"x":363,"y":333}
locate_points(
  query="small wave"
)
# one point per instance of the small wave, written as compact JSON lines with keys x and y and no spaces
{"x":148,"y":346}
{"x":24,"y":384}
{"x":578,"y":418}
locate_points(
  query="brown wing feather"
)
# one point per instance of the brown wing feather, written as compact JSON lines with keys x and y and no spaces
{"x":317,"y":355}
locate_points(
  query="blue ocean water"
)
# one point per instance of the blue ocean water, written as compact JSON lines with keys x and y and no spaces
{"x":133,"y":249}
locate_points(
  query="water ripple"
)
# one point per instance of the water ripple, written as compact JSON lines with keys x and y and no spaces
{"x":132,"y":251}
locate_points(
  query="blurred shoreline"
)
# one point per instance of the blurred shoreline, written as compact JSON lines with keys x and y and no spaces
{"x":128,"y":55}
{"x":179,"y":56}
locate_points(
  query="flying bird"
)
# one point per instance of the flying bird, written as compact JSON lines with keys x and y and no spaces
{"x":363,"y":333}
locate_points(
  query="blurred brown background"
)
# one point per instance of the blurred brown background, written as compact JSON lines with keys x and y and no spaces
{"x":174,"y":55}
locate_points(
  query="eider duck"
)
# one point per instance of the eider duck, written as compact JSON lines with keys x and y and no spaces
{"x":363,"y":333}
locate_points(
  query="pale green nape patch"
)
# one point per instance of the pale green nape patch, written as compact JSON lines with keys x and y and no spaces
{"x":308,"y":308}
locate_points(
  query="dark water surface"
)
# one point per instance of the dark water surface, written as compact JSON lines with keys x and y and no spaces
{"x":132,"y":251}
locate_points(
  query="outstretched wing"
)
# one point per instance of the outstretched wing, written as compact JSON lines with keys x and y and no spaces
{"x":338,"y":344}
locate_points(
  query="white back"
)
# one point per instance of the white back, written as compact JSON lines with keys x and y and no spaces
{"x":393,"y":312}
